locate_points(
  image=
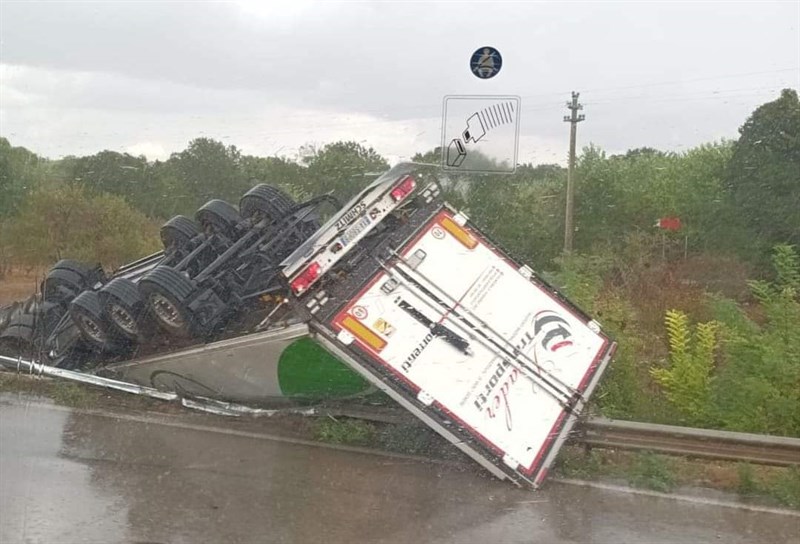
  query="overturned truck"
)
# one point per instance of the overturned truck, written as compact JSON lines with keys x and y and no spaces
{"x":396,"y":284}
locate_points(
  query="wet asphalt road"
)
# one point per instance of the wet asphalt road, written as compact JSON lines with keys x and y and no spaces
{"x":69,"y":477}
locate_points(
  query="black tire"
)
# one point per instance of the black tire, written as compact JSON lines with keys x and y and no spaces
{"x":265,"y":201}
{"x":87,"y":313}
{"x":124,"y":306}
{"x":167,"y":293}
{"x":16,"y":341}
{"x":19,"y":336}
{"x":91,"y":274}
{"x":28,"y":325}
{"x":62,"y":285}
{"x":219,"y":217}
{"x":26,"y":320}
{"x":177,"y":232}
{"x":7,"y":313}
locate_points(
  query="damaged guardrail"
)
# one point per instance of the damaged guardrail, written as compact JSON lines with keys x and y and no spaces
{"x":204,"y":404}
{"x":591,"y":433}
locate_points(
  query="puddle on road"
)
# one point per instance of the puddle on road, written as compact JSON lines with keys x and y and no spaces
{"x":69,"y":477}
{"x":47,"y":497}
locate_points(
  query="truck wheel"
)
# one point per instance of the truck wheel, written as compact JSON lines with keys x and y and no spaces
{"x":177,"y":232}
{"x":219,"y":217}
{"x":87,"y":313}
{"x":91,"y":274}
{"x":7,"y":313}
{"x":62,"y":285}
{"x":167,"y":292}
{"x":265,"y":201}
{"x":124,"y":305}
{"x":16,"y":340}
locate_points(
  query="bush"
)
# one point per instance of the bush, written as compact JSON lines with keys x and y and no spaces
{"x":758,"y":388}
{"x":56,"y":222}
{"x":687,"y":381}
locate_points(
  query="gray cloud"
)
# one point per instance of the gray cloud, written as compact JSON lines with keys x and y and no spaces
{"x":79,"y":77}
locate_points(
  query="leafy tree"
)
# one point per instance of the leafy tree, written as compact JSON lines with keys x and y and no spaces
{"x":276,"y":171}
{"x":342,"y":167}
{"x":206,"y":169}
{"x":7,"y":189}
{"x":115,"y":173}
{"x":434,"y":156}
{"x":524,"y":210}
{"x":764,"y":171}
{"x":20,"y":171}
{"x":68,"y":221}
{"x":621,"y":195}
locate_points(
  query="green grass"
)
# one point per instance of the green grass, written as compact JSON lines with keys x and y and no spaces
{"x":651,"y":471}
{"x":73,"y":395}
{"x":787,"y":490}
{"x":577,"y":462}
{"x":747,"y":484}
{"x":352,"y":432}
{"x":65,"y":393}
{"x":782,"y":487}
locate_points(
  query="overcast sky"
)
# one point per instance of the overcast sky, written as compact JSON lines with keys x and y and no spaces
{"x":147,"y":77}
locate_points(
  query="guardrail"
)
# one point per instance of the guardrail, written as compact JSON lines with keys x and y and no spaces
{"x":691,"y":442}
{"x":595,"y":432}
{"x":631,"y":435}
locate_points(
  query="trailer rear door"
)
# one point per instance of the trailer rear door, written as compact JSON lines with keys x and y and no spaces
{"x":495,"y":359}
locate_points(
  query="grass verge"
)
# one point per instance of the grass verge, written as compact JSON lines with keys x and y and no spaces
{"x":778,"y":486}
{"x":352,"y":432}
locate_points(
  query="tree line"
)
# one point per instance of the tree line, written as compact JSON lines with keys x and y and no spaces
{"x":739,"y":196}
{"x":737,"y":200}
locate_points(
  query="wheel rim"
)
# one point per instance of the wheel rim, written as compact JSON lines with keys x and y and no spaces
{"x":123,"y":319}
{"x":166,"y":311}
{"x":92,"y":329}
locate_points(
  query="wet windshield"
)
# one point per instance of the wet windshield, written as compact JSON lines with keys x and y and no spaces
{"x":393,"y":271}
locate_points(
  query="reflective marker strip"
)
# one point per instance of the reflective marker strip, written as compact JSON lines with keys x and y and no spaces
{"x":363,"y":333}
{"x":460,"y":234}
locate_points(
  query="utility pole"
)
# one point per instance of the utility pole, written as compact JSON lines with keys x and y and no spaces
{"x":573,"y":119}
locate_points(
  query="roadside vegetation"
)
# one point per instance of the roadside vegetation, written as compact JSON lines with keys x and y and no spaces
{"x":778,"y":486}
{"x":706,"y":316}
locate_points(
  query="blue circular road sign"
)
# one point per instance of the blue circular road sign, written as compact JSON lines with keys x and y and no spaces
{"x":485,"y":62}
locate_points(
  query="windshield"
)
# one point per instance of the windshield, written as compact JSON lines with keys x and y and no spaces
{"x":334,"y":271}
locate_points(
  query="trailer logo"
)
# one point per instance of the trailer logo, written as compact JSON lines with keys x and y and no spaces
{"x":554,"y":330}
{"x":348,"y":218}
{"x":553,"y":333}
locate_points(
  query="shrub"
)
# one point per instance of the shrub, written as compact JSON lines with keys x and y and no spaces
{"x":56,"y":222}
{"x":687,"y":381}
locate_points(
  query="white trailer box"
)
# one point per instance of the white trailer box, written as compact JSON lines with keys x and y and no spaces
{"x":466,"y":338}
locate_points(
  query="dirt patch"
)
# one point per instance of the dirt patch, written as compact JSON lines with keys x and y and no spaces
{"x":18,"y":285}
